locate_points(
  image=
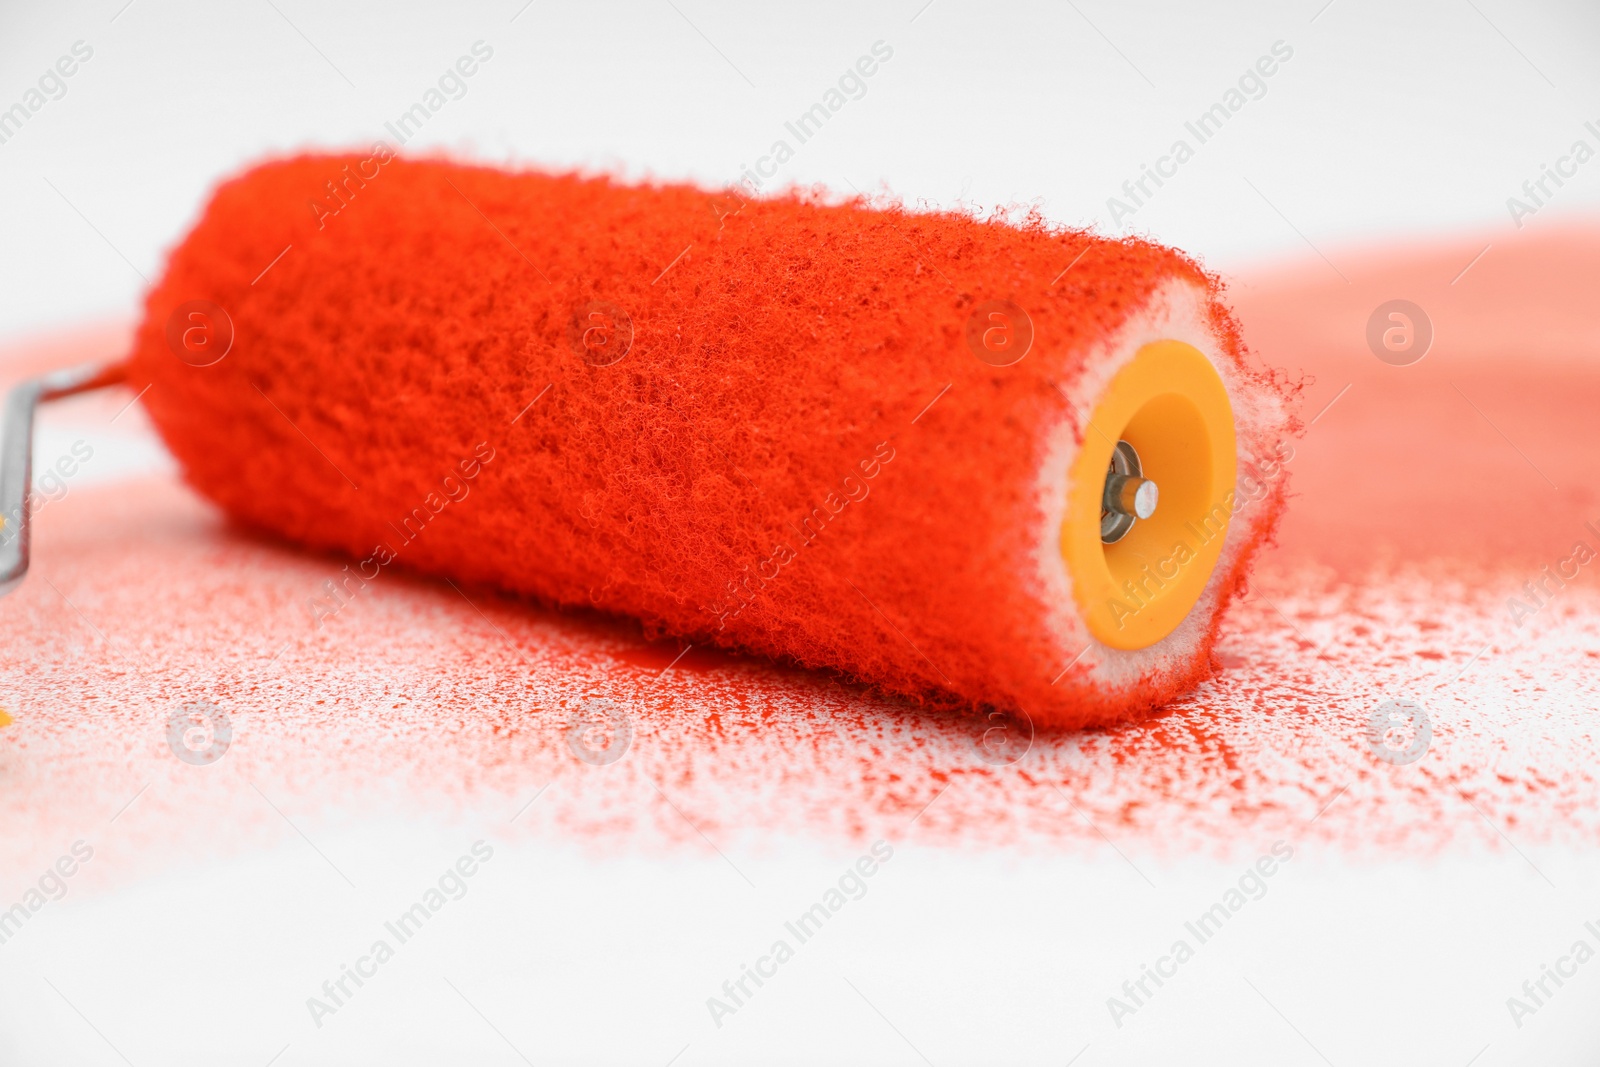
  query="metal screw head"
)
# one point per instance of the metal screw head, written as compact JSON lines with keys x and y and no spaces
{"x":1131,"y":495}
{"x":1145,"y":498}
{"x":1127,"y":496}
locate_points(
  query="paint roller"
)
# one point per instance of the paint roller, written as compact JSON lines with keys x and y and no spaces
{"x":968,"y":460}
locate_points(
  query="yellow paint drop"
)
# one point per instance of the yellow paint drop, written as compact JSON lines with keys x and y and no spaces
{"x":5,"y":720}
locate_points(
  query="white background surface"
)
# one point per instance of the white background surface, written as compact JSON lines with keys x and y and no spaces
{"x":1390,"y":118}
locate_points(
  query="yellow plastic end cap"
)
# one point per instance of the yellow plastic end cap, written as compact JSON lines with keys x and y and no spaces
{"x":1171,"y":406}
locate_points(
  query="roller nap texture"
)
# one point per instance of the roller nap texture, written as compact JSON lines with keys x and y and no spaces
{"x":755,"y":424}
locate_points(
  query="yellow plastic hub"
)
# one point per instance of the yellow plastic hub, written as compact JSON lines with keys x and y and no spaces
{"x":1170,"y":405}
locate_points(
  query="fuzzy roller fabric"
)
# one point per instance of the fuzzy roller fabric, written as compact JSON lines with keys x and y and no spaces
{"x":752,"y":423}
